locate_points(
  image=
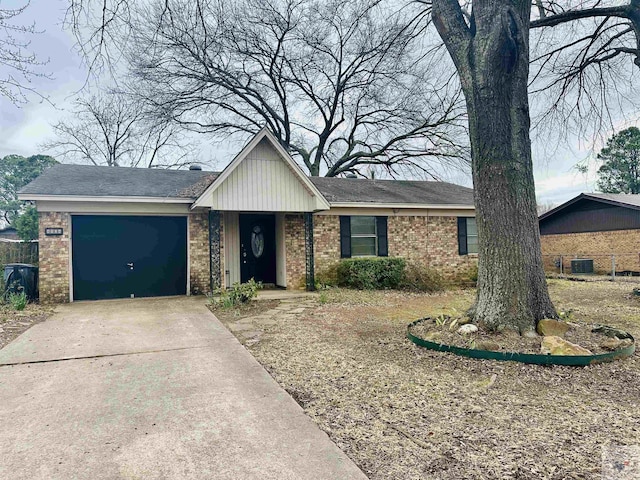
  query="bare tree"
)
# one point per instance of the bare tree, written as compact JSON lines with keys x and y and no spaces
{"x":343,"y":85}
{"x":490,"y":48}
{"x":18,"y":66}
{"x":111,"y":129}
{"x":489,"y":43}
{"x":585,"y":56}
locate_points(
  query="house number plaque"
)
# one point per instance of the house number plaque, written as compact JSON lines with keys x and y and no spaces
{"x":53,"y":231}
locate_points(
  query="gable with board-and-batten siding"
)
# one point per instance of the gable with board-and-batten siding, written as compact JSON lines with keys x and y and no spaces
{"x":263,"y":178}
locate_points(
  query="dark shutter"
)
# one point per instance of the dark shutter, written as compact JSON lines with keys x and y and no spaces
{"x":345,"y":236}
{"x":381,"y":230}
{"x":462,"y":236}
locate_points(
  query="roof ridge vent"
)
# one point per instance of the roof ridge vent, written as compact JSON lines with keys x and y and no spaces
{"x":195,"y":166}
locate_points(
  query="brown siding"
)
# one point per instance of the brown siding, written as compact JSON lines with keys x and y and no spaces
{"x":590,"y":216}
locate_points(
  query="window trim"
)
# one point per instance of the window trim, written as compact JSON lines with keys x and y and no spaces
{"x":468,"y":235}
{"x":463,"y":236}
{"x":374,"y":235}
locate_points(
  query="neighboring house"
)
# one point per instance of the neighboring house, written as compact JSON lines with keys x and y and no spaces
{"x":108,"y":232}
{"x":9,"y":234}
{"x":594,"y":226}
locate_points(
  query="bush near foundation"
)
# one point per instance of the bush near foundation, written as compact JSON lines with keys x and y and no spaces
{"x":371,"y":273}
{"x":421,"y":278}
{"x":327,"y":277}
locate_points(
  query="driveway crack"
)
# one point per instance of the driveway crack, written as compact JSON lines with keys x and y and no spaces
{"x":106,"y":355}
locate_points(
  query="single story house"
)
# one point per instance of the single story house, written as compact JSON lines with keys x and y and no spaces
{"x":109,"y":232}
{"x":9,"y":234}
{"x":593,"y":226}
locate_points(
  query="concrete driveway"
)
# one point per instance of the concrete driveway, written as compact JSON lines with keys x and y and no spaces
{"x":150,"y":389}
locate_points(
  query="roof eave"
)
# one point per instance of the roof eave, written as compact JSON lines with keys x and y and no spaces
{"x":102,"y":198}
{"x":586,"y":196}
{"x":401,"y":205}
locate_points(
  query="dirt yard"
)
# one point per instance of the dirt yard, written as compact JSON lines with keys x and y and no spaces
{"x":13,"y":324}
{"x":402,"y":412}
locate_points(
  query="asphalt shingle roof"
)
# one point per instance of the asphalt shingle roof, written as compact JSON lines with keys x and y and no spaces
{"x":94,"y":181}
{"x":348,"y":190}
{"x":89,"y":180}
{"x":625,"y":198}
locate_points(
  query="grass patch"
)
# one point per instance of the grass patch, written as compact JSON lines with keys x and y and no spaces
{"x":403,"y":412}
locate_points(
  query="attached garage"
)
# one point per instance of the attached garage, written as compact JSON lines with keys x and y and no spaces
{"x":120,"y":256}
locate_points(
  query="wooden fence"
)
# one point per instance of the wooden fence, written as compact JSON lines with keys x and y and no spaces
{"x":18,"y":252}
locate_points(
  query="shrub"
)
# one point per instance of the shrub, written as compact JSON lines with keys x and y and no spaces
{"x":18,"y":300}
{"x":371,"y":273}
{"x":3,"y":290}
{"x":239,"y":294}
{"x":473,"y":273}
{"x":327,"y":277}
{"x":422,"y":278}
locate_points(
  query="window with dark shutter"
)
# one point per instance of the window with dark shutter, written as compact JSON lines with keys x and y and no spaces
{"x":345,"y":236}
{"x":467,"y":235}
{"x":363,"y":236}
{"x":381,"y":230}
{"x":462,"y":236}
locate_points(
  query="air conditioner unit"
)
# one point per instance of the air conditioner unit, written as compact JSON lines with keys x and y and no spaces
{"x":582,"y":265}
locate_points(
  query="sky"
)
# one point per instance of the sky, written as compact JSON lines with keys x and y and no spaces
{"x":24,"y":129}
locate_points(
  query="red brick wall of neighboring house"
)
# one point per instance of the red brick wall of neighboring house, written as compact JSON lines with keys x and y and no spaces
{"x":599,"y":246}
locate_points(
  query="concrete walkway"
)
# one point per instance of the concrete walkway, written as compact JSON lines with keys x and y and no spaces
{"x":150,"y":389}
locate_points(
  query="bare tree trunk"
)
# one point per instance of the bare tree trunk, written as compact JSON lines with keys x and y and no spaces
{"x":492,"y":57}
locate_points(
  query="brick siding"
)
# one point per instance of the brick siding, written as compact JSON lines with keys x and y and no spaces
{"x":430,"y":241}
{"x":199,"y":252}
{"x":54,"y":258}
{"x":294,"y":251}
{"x":54,"y":255}
{"x":599,"y":246}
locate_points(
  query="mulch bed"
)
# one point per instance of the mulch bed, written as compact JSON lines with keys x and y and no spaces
{"x":404,"y":412}
{"x":13,"y":324}
{"x":507,"y":341}
{"x":249,"y":309}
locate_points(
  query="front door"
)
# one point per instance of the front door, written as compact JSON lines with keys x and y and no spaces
{"x":258,"y":248}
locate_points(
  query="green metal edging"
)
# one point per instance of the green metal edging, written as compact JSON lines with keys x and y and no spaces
{"x":532,"y":358}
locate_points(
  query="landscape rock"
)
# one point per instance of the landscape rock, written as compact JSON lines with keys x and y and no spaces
{"x":433,"y":336}
{"x":611,"y":332}
{"x":552,"y":328}
{"x":614,"y":343}
{"x":468,"y":328}
{"x":553,"y":345}
{"x":464,"y":321}
{"x":488,"y":345}
{"x":611,"y":344}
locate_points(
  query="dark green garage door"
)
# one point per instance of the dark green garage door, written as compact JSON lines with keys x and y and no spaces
{"x":121,"y":256}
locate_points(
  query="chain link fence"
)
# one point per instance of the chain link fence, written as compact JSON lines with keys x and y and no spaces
{"x":618,"y":266}
{"x":18,"y":252}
